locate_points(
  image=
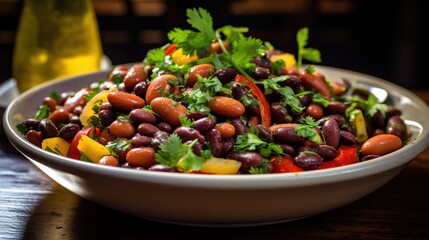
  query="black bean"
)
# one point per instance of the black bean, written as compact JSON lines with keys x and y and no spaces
{"x":48,"y":129}
{"x":253,"y":110}
{"x":393,"y":112}
{"x":68,"y":131}
{"x":247,"y":159}
{"x":214,"y":139}
{"x":189,"y":134}
{"x":293,"y":81}
{"x":105,"y":106}
{"x":308,"y":160}
{"x":326,"y":152}
{"x":305,"y":100}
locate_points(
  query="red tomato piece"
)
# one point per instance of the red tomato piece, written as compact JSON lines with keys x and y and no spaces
{"x":284,"y":164}
{"x":259,"y":95}
{"x":347,"y":155}
{"x":170,"y":49}
{"x":73,"y":152}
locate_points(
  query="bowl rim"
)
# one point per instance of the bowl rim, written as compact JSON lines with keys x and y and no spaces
{"x":243,"y":181}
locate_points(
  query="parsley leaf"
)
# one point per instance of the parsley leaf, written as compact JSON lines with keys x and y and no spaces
{"x":310,"y":54}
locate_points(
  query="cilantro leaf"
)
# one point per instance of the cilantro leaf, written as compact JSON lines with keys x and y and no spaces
{"x":246,"y":50}
{"x":309,"y":54}
{"x":307,"y":129}
{"x":154,"y":56}
{"x":371,"y":105}
{"x":117,"y":145}
{"x":251,"y":142}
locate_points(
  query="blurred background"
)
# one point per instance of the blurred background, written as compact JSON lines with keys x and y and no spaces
{"x":387,"y":39}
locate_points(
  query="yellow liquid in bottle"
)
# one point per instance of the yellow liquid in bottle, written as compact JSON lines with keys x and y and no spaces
{"x":56,"y":38}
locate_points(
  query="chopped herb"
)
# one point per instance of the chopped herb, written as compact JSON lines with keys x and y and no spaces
{"x":306,"y":129}
{"x":371,"y":105}
{"x":84,"y":158}
{"x":186,"y":122}
{"x":154,"y":56}
{"x":95,"y":122}
{"x":318,"y":98}
{"x":251,"y":142}
{"x":118,"y":145}
{"x":304,"y":53}
{"x":54,"y":95}
{"x":263,"y":168}
{"x":42,"y":112}
{"x":22,"y":128}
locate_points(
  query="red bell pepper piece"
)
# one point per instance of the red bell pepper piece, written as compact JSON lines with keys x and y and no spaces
{"x":170,"y":49}
{"x":284,"y":164}
{"x":257,"y":93}
{"x":347,"y":155}
{"x":73,"y":152}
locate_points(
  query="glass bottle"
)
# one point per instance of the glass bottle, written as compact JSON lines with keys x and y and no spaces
{"x":55,"y":38}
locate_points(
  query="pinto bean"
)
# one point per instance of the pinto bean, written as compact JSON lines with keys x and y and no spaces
{"x":134,"y":75}
{"x":204,"y":70}
{"x":381,"y":145}
{"x":331,"y":131}
{"x":141,"y":157}
{"x":227,"y":107}
{"x":159,"y":86}
{"x":125,"y":101}
{"x":168,"y":109}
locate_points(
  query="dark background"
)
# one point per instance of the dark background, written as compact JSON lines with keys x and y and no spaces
{"x":383,"y":38}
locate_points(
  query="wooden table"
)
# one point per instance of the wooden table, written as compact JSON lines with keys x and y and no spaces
{"x":32,"y":206}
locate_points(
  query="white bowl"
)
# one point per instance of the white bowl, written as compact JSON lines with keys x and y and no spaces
{"x":213,"y":200}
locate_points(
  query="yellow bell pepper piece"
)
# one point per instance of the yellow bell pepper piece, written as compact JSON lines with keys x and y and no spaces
{"x":180,"y":59}
{"x":360,"y":125}
{"x":92,"y":149}
{"x":88,"y":111}
{"x":221,"y":166}
{"x":56,"y":145}
{"x":288,"y":58}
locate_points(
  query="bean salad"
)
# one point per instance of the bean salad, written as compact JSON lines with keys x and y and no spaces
{"x":216,"y":101}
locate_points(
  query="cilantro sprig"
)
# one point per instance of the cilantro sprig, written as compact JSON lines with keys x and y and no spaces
{"x":251,"y":142}
{"x":307,"y":129}
{"x":304,"y":53}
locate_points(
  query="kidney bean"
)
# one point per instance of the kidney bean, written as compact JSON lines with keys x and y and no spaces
{"x":168,"y":109}
{"x":78,"y":99}
{"x":226,"y":130}
{"x":204,"y":124}
{"x":238,"y":91}
{"x":378,"y":120}
{"x":293,"y":81}
{"x":279,"y":113}
{"x":288,"y":149}
{"x":225,"y":75}
{"x":158,"y":138}
{"x":59,"y":116}
{"x":393,"y":112}
{"x":314,"y":110}
{"x":68,"y":131}
{"x":227,"y":147}
{"x":338,"y":118}
{"x":32,"y":124}
{"x":303,"y":148}
{"x":147,"y":129}
{"x":122,"y":129}
{"x":247,"y":159}
{"x":396,"y":126}
{"x":264,"y":63}
{"x":239,"y":126}
{"x":197,"y":148}
{"x":161,"y":168}
{"x":305,"y":100}
{"x":287,"y":134}
{"x":336,"y":107}
{"x":140,"y":89}
{"x":204,"y":70}
{"x":63,"y":98}
{"x":50,"y":103}
{"x":331,"y":131}
{"x":109,"y":161}
{"x":75,"y":119}
{"x":118,"y":73}
{"x":48,"y":129}
{"x":227,"y":107}
{"x":261,"y":73}
{"x":105,"y":106}
{"x":381,"y":145}
{"x":141,"y":141}
{"x":135,"y":74}
{"x":265,"y":133}
{"x":125,"y":101}
{"x":369,"y":157}
{"x":106,"y":117}
{"x":315,"y":81}
{"x":159,"y":86}
{"x":308,"y":160}
{"x":139,"y":115}
{"x":378,"y":132}
{"x":326,"y":152}
{"x":196,"y":115}
{"x":34,"y":137}
{"x":347,"y":138}
{"x":163,"y":126}
{"x":141,"y":157}
{"x":189,"y":134}
{"x":105,"y":137}
{"x":253,"y":110}
{"x":213,"y":137}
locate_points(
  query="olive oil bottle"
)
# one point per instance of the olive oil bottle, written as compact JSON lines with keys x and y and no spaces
{"x":55,"y":38}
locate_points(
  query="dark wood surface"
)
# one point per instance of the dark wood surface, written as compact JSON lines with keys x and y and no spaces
{"x":32,"y":206}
